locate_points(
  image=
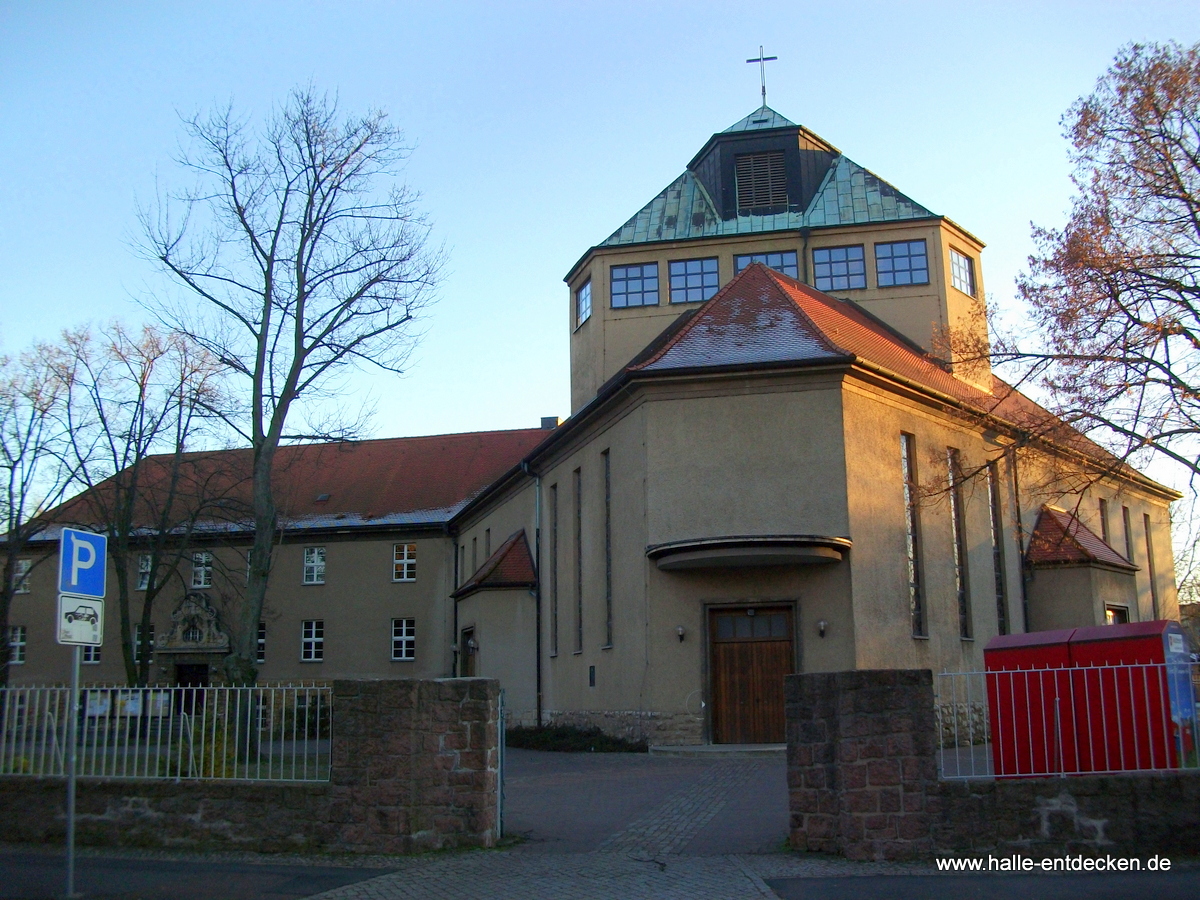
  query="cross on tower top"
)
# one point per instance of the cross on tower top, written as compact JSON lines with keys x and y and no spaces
{"x":762,"y":70}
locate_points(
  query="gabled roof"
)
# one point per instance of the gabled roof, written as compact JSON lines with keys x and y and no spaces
{"x":849,"y":195}
{"x":510,"y":567}
{"x":761,"y":119}
{"x":1059,"y":538}
{"x":390,"y":481}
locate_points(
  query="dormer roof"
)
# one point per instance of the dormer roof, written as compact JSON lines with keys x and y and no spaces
{"x":1059,"y":538}
{"x":510,"y":567}
{"x":825,"y":189}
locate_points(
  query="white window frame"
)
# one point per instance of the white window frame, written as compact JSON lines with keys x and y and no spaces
{"x":314,"y":566}
{"x":202,"y":569}
{"x":404,"y":562}
{"x":312,"y":640}
{"x":143,"y":573}
{"x":91,"y":655}
{"x":137,"y":642}
{"x":404,"y":640}
{"x":18,"y":639}
{"x":583,"y":303}
{"x":962,"y":272}
{"x":21,"y":576}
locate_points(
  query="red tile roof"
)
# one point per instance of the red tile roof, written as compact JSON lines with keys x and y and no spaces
{"x":400,"y":481}
{"x":763,"y":317}
{"x":511,"y":566}
{"x":1059,"y":538}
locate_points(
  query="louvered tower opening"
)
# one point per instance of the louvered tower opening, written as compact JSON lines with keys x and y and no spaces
{"x":761,"y":180}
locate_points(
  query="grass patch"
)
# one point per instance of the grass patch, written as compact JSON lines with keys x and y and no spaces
{"x":569,"y":739}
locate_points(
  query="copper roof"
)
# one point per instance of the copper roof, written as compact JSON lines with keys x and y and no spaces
{"x":511,"y":566}
{"x":388,"y":481}
{"x":1059,"y":538}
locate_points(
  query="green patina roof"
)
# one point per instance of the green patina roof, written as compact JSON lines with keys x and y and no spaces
{"x":762,"y":118}
{"x":848,"y":195}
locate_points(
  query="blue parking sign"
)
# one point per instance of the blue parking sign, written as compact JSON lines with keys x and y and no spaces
{"x":82,"y":563}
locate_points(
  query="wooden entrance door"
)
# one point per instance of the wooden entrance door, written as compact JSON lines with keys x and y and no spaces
{"x":751,"y":652}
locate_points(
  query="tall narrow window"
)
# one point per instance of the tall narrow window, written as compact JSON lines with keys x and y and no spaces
{"x":404,"y":562}
{"x":260,"y":644}
{"x":137,"y":642}
{"x":583,"y":303}
{"x":554,"y":570}
{"x":312,"y":640}
{"x":21,"y":576}
{"x":487,"y":543}
{"x":608,"y":593}
{"x":314,"y":565}
{"x":997,"y":522}
{"x":954,"y":480}
{"x":404,"y":639}
{"x":145,"y":560}
{"x":1104,"y":522}
{"x":912,"y":534}
{"x":578,"y":561}
{"x":462,"y":563}
{"x":474,"y":555}
{"x":1150,"y":569}
{"x":18,"y":636}
{"x":1128,"y":533}
{"x":202,"y":569}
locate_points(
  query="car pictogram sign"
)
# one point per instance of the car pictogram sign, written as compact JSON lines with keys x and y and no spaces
{"x":80,"y":620}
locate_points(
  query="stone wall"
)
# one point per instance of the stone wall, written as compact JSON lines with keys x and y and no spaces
{"x":862,"y":782}
{"x":414,"y":767}
{"x":655,"y":728}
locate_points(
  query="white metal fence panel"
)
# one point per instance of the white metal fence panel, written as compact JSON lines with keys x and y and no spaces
{"x":260,"y":733}
{"x":1085,"y":720}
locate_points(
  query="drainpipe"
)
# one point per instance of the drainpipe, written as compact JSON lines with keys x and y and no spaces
{"x":804,"y":233}
{"x":537,"y":589}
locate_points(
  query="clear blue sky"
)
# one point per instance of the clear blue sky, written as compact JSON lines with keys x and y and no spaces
{"x":539,"y":129}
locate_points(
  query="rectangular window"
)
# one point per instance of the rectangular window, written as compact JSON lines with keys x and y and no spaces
{"x":137,"y":643}
{"x":144,"y":562}
{"x":312,"y":640}
{"x":21,"y":576}
{"x":260,"y":644}
{"x":693,"y":280}
{"x":634,"y":285}
{"x":1116,"y":615}
{"x":997,"y":522}
{"x":839,"y":268}
{"x":17,"y":637}
{"x":202,"y":569}
{"x":554,"y":570}
{"x":1150,"y":569}
{"x":761,"y":180}
{"x":954,"y":480}
{"x":903,"y":262}
{"x":962,"y":272}
{"x":608,"y":594}
{"x":404,"y":639}
{"x":91,"y":655}
{"x":578,"y":561}
{"x":1104,"y":522}
{"x":314,"y":565}
{"x":404,"y":562}
{"x":785,"y":262}
{"x":912,"y":534}
{"x":583,"y":303}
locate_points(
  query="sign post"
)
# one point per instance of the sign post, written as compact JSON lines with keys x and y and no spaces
{"x":82,"y":570}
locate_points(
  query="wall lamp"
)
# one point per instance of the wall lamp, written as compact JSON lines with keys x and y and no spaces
{"x":821,"y":626}
{"x":679,"y":631}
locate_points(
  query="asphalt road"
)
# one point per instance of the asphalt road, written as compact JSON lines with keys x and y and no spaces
{"x":1160,"y":886}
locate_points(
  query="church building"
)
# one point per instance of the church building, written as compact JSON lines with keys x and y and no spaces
{"x":786,"y":452}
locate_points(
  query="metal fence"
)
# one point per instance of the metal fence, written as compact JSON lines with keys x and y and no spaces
{"x":1085,"y":720}
{"x":261,"y":733}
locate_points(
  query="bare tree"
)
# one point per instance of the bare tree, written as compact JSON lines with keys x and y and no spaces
{"x":306,"y":255}
{"x":137,"y":404}
{"x":33,"y":470}
{"x":1117,"y":290}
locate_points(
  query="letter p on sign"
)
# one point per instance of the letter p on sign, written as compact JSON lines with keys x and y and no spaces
{"x":82,"y":563}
